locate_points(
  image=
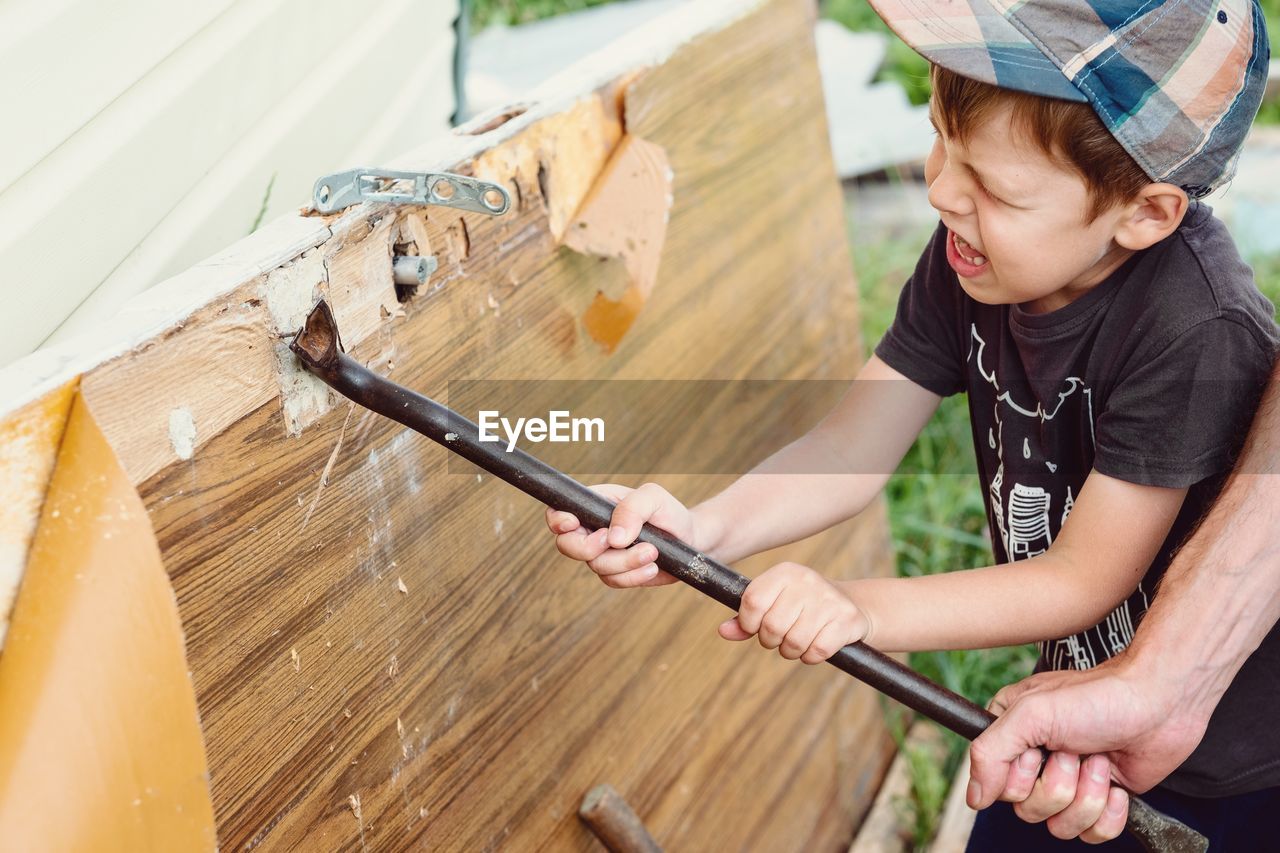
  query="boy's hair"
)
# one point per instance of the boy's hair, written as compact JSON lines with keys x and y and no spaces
{"x":1066,"y":131}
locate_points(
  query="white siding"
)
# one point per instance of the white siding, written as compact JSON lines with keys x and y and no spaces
{"x":140,"y":136}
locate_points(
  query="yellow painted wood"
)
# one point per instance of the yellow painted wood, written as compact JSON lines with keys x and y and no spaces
{"x":29,"y":440}
{"x":100,"y":745}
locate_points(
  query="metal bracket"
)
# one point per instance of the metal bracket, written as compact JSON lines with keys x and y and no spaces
{"x":343,"y":189}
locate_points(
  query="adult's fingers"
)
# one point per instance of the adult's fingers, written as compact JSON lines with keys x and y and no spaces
{"x":1020,"y":726}
{"x":1053,"y":791}
{"x":1113,"y":819}
{"x":1022,"y":777}
{"x":1089,"y":802}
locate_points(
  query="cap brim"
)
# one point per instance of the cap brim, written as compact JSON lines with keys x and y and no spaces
{"x":975,"y":40}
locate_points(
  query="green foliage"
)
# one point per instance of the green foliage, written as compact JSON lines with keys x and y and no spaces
{"x":512,"y":12}
{"x":902,"y":64}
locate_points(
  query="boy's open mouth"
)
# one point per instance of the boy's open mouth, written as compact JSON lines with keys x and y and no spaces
{"x":964,"y":259}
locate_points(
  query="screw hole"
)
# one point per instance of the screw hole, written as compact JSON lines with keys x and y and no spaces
{"x":492,"y":199}
{"x":1222,"y":17}
{"x":323,"y":195}
{"x":443,"y":189}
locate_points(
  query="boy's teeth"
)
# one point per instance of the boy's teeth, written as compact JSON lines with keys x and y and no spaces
{"x":976,"y":260}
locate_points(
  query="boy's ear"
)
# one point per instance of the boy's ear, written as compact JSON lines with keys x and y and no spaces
{"x":1155,"y":213}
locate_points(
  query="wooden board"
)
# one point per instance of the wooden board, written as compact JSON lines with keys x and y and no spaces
{"x":386,"y":650}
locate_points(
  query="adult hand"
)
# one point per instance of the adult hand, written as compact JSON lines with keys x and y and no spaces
{"x":1133,"y":728}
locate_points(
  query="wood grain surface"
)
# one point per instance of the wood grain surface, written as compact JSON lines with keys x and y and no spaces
{"x":387,"y":651}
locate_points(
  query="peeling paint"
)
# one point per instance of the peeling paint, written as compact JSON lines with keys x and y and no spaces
{"x":625,"y":217}
{"x":182,"y":432}
{"x":291,"y":292}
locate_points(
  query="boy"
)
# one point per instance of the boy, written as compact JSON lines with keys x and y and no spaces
{"x":1112,"y":345}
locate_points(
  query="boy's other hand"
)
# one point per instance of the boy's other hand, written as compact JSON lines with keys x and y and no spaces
{"x":797,"y":611}
{"x":609,"y":552}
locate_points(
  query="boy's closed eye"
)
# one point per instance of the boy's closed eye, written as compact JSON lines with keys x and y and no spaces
{"x":976,"y":179}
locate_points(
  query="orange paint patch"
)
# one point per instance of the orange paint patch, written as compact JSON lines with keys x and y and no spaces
{"x":607,"y":321}
{"x":100,"y":744}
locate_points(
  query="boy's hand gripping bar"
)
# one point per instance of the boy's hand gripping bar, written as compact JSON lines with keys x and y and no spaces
{"x":318,"y":347}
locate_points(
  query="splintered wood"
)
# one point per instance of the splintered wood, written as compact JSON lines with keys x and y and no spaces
{"x":386,"y":649}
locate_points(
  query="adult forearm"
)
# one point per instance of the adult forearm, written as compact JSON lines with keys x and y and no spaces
{"x":1221,"y":594}
{"x":784,"y":499}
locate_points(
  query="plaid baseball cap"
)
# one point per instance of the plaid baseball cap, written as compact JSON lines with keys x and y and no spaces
{"x":1176,"y":82}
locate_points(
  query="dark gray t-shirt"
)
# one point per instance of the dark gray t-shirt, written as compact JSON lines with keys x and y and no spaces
{"x":1151,"y":377}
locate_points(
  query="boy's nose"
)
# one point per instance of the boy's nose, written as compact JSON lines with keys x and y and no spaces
{"x":949,"y":195}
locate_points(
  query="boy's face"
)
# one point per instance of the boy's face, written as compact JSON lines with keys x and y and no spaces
{"x":1022,"y":216}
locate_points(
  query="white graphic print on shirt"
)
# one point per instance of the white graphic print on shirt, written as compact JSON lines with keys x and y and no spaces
{"x":1024,"y":513}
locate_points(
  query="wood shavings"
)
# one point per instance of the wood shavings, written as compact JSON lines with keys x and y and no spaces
{"x":328,"y":468}
{"x":297,"y":661}
{"x":354,"y":801}
{"x":400,"y":586}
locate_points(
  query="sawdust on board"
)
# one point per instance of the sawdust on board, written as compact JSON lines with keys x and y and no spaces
{"x":354,"y":801}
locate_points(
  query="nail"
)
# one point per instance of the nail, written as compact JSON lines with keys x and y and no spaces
{"x":617,"y":536}
{"x":1029,"y":760}
{"x":1115,"y":807}
{"x":650,"y":572}
{"x":1098,"y":770}
{"x":1070,"y":763}
{"x":974,"y":794}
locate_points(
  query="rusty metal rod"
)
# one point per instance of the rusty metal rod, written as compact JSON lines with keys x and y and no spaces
{"x":613,"y":821}
{"x":319,"y":348}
